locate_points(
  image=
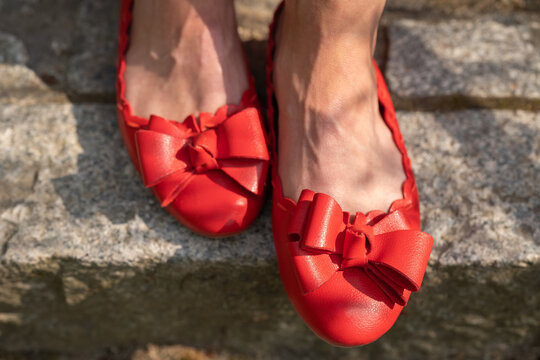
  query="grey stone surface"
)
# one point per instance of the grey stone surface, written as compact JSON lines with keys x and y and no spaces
{"x":254,"y":18}
{"x":84,"y":200}
{"x":461,"y":312}
{"x":90,"y":260}
{"x":466,"y":8}
{"x":13,"y":50}
{"x":490,"y":57}
{"x":47,"y":29}
{"x":477,"y":172}
{"x":65,"y":165}
{"x":72,"y":43}
{"x":19,"y":85}
{"x":18,"y":82}
{"x":92,"y":67}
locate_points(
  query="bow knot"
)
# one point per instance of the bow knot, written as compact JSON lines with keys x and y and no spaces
{"x":202,"y":160}
{"x":355,"y":249}
{"x":172,"y":154}
{"x":202,"y":151}
{"x":323,"y":241}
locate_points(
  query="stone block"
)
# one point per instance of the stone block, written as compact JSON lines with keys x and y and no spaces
{"x":463,"y":8}
{"x":494,"y":60}
{"x":18,"y":83}
{"x":89,"y":259}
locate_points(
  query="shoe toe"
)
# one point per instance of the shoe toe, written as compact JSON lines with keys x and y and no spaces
{"x":214,"y":205}
{"x":348,"y":310}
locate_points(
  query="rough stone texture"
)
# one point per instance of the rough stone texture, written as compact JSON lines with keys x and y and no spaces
{"x":478,"y":177}
{"x":148,"y":352}
{"x":84,"y":185}
{"x":89,"y":259}
{"x":48,"y":28}
{"x":490,"y":57}
{"x":72,"y":43}
{"x":254,"y":18}
{"x":466,"y":8}
{"x":92,"y":68}
{"x":13,"y":50}
{"x":19,"y":83}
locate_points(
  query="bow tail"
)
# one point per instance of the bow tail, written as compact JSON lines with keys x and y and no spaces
{"x":164,"y":159}
{"x":391,"y":289}
{"x":312,"y":269}
{"x":402,"y":256}
{"x":242,"y":136}
{"x":168,"y":189}
{"x":398,"y":261}
{"x":250,"y":174}
{"x":240,"y":149}
{"x":159,"y":156}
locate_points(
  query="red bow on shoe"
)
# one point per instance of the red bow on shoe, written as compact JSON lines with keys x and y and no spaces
{"x":323,"y":241}
{"x":172,"y":154}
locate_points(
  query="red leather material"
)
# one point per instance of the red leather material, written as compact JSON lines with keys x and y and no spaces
{"x":393,"y":258}
{"x":208,"y":172}
{"x":348,"y":279}
{"x":177,"y":153}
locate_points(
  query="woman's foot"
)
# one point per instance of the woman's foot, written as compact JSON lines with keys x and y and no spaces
{"x":184,"y":57}
{"x":332,"y":138}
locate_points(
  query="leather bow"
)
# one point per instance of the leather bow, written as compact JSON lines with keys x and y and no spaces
{"x":323,"y":241}
{"x":172,"y":154}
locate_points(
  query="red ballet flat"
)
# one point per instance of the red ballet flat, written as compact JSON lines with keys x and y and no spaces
{"x":209,"y":174}
{"x":348,"y":280}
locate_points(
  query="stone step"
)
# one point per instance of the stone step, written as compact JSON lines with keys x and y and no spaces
{"x":464,"y":8}
{"x":493,"y":61}
{"x":71,"y":47}
{"x":89,"y":260}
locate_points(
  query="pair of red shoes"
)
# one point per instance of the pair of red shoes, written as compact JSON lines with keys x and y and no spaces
{"x":348,"y":280}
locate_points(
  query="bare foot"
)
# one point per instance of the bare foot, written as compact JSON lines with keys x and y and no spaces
{"x":184,"y":57}
{"x":332,"y":138}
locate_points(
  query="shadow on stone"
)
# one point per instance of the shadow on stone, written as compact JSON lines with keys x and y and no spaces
{"x":106,"y":181}
{"x":496,"y":145}
{"x":71,"y":308}
{"x":461,"y":66}
{"x":71,"y":43}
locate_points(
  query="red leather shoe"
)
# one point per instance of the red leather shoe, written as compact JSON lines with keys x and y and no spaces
{"x":348,"y":280}
{"x":210,"y":174}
